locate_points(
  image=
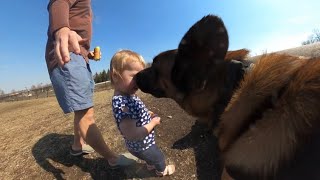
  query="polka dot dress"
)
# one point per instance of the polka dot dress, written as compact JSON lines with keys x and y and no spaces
{"x":132,"y":107}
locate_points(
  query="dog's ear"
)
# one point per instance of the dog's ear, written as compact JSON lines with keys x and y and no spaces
{"x":209,"y":37}
{"x":201,"y":48}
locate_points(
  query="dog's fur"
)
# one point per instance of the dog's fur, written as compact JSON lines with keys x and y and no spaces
{"x":269,"y":125}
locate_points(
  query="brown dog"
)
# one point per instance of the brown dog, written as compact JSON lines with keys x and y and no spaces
{"x":269,"y":125}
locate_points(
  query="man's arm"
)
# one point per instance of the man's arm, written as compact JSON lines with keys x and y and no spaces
{"x":131,"y":132}
{"x":59,"y":15}
{"x":66,"y":40}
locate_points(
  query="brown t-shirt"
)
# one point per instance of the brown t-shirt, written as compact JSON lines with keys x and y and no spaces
{"x":75,"y":14}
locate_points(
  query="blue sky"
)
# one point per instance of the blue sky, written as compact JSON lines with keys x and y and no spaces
{"x":148,"y":27}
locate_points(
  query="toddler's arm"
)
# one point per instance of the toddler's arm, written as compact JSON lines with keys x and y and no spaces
{"x":131,"y":132}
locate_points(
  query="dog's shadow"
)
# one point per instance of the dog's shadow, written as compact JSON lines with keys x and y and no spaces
{"x":51,"y":152}
{"x":204,"y":144}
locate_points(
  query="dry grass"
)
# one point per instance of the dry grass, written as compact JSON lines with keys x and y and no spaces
{"x":36,"y":135}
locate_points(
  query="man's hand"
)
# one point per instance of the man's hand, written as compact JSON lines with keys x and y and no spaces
{"x":91,"y":56}
{"x":66,"y":41}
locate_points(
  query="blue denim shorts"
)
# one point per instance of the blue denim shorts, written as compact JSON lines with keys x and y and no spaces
{"x":73,"y":84}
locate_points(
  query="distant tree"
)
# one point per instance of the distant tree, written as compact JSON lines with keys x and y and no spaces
{"x":33,"y":87}
{"x":96,"y":78}
{"x":148,"y":64}
{"x":1,"y":92}
{"x":47,"y":88}
{"x":108,"y":75}
{"x":103,"y":76}
{"x":36,"y":89}
{"x":315,"y":37}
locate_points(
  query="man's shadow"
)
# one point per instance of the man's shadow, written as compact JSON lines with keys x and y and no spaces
{"x":55,"y":147}
{"x":205,"y":148}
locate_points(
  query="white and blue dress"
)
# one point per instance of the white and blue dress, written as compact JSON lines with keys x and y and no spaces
{"x":132,"y":107}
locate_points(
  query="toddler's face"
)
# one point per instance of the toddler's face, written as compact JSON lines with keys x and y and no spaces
{"x":128,"y":83}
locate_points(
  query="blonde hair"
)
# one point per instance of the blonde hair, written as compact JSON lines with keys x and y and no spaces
{"x":120,"y":60}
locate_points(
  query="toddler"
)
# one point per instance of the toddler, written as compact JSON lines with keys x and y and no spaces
{"x":134,"y":121}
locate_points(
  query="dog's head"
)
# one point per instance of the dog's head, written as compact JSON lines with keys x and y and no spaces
{"x":187,"y":69}
{"x":156,"y":80}
{"x":181,"y":74}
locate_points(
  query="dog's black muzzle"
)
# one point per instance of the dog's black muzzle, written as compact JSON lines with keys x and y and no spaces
{"x":146,"y":81}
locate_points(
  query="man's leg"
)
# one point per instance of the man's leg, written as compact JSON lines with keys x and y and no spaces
{"x":78,"y":141}
{"x":74,"y":86}
{"x":91,"y":134}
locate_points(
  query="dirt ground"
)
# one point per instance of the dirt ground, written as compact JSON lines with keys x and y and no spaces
{"x":36,"y":137}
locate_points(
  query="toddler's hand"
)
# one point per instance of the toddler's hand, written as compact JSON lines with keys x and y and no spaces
{"x":156,"y":120}
{"x":152,"y":114}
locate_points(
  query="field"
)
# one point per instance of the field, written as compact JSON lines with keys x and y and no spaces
{"x":36,"y":137}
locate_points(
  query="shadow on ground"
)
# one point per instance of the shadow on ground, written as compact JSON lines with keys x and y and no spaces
{"x":204,"y":145}
{"x":51,"y":153}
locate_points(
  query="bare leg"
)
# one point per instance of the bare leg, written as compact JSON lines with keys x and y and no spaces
{"x":91,"y":134}
{"x":77,"y":140}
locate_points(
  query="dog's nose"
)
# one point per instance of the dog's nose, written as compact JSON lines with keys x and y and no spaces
{"x":138,"y":78}
{"x":144,"y":81}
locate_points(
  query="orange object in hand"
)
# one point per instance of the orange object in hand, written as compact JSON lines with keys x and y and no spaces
{"x":96,"y":53}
